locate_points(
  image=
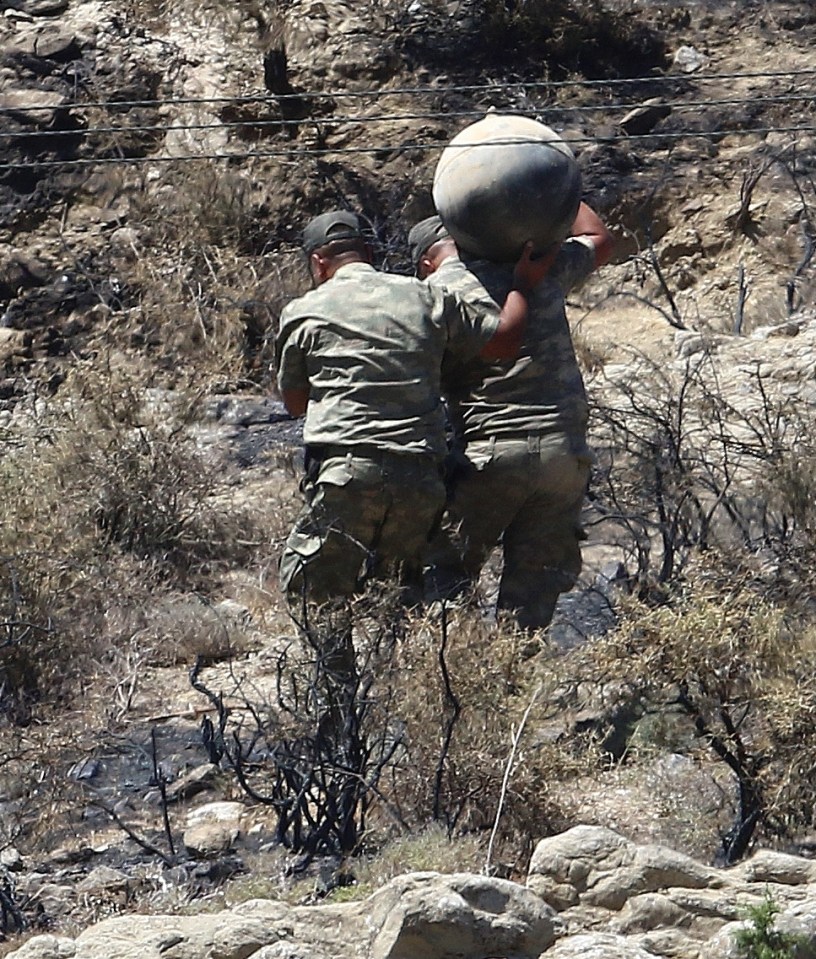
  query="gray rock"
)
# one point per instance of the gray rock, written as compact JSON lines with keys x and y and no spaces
{"x":650,"y":911}
{"x":13,"y":343}
{"x":799,"y":919}
{"x":595,"y":865}
{"x":687,"y":59}
{"x":288,"y":950}
{"x":85,"y":769}
{"x":44,"y":8}
{"x":644,"y":118}
{"x":213,"y":829}
{"x":11,"y":859}
{"x":198,"y":780}
{"x":443,"y":917}
{"x":47,"y":947}
{"x":769,"y":866}
{"x":222,"y":935}
{"x":244,"y":410}
{"x":55,"y":43}
{"x":20,"y":271}
{"x":598,"y":946}
{"x":104,"y":879}
{"x":53,"y":899}
{"x":38,"y":107}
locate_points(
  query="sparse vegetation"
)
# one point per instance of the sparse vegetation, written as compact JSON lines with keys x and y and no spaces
{"x":684,"y":469}
{"x":107,"y":501}
{"x":588,"y":37}
{"x":425,"y":700}
{"x":738,"y":671}
{"x":595,"y":38}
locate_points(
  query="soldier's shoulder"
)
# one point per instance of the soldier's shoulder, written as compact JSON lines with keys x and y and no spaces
{"x":301,"y":305}
{"x":450,"y":266}
{"x":400,"y":279}
{"x":408,"y":288}
{"x":322,"y":301}
{"x":456,"y":277}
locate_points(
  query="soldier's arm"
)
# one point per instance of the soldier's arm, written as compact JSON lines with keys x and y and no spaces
{"x":529,"y":272}
{"x":292,"y":375}
{"x":589,"y":225}
{"x":506,"y":341}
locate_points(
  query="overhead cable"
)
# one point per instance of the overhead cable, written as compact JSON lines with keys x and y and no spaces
{"x":431,"y":90}
{"x":252,"y":123}
{"x":384,"y":148}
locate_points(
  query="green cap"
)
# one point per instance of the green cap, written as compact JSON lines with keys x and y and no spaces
{"x":328,"y":227}
{"x":423,"y":235}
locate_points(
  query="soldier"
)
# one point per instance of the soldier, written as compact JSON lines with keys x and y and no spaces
{"x":523,"y":425}
{"x":361,"y":356}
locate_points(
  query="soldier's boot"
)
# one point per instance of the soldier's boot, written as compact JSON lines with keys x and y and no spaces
{"x":530,"y":610}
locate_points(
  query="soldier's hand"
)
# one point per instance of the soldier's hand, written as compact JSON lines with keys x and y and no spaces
{"x":532,"y":267}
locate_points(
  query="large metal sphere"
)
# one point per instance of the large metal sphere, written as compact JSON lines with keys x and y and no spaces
{"x":505,"y":180}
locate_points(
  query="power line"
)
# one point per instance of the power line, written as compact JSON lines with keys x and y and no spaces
{"x":435,"y":90}
{"x":392,"y":117}
{"x":302,"y":152}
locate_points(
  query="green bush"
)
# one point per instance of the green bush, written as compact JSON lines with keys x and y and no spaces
{"x":760,"y":940}
{"x":738,"y":671}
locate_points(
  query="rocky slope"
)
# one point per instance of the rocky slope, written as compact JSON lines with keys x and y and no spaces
{"x":589,"y":892}
{"x":159,"y":161}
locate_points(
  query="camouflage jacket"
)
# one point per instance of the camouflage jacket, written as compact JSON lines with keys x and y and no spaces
{"x":369,"y":348}
{"x":540,"y":392}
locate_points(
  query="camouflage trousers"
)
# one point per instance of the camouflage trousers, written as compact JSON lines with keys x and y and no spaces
{"x":526,"y":493}
{"x":368,"y":514}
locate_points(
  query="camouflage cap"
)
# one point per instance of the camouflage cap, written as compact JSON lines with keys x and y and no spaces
{"x":423,"y":235}
{"x":335,"y":225}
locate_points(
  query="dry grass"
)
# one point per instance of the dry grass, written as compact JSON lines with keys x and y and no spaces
{"x":736,"y":672}
{"x":429,"y":849}
{"x":199,"y":290}
{"x":463,"y":693}
{"x":585,"y":36}
{"x":107,"y":505}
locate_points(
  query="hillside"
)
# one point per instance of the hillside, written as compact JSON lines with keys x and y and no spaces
{"x":159,"y":163}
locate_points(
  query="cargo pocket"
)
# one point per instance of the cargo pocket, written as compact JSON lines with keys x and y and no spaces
{"x":301,"y":547}
{"x":480,"y":453}
{"x":335,"y":472}
{"x":315,"y":559}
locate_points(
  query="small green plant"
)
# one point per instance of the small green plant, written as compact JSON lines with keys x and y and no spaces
{"x":760,"y":940}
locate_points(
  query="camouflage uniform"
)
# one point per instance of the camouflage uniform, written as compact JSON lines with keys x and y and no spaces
{"x":523,"y":425}
{"x":369,"y":348}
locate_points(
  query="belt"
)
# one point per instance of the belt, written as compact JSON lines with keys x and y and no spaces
{"x":531,"y":440}
{"x":326,"y":451}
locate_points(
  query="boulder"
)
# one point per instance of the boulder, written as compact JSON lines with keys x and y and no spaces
{"x":222,"y":935}
{"x":598,"y":946}
{"x":777,"y":867}
{"x":37,"y":107}
{"x":430,"y":916}
{"x":596,"y":866}
{"x":213,"y":829}
{"x":46,"y":947}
